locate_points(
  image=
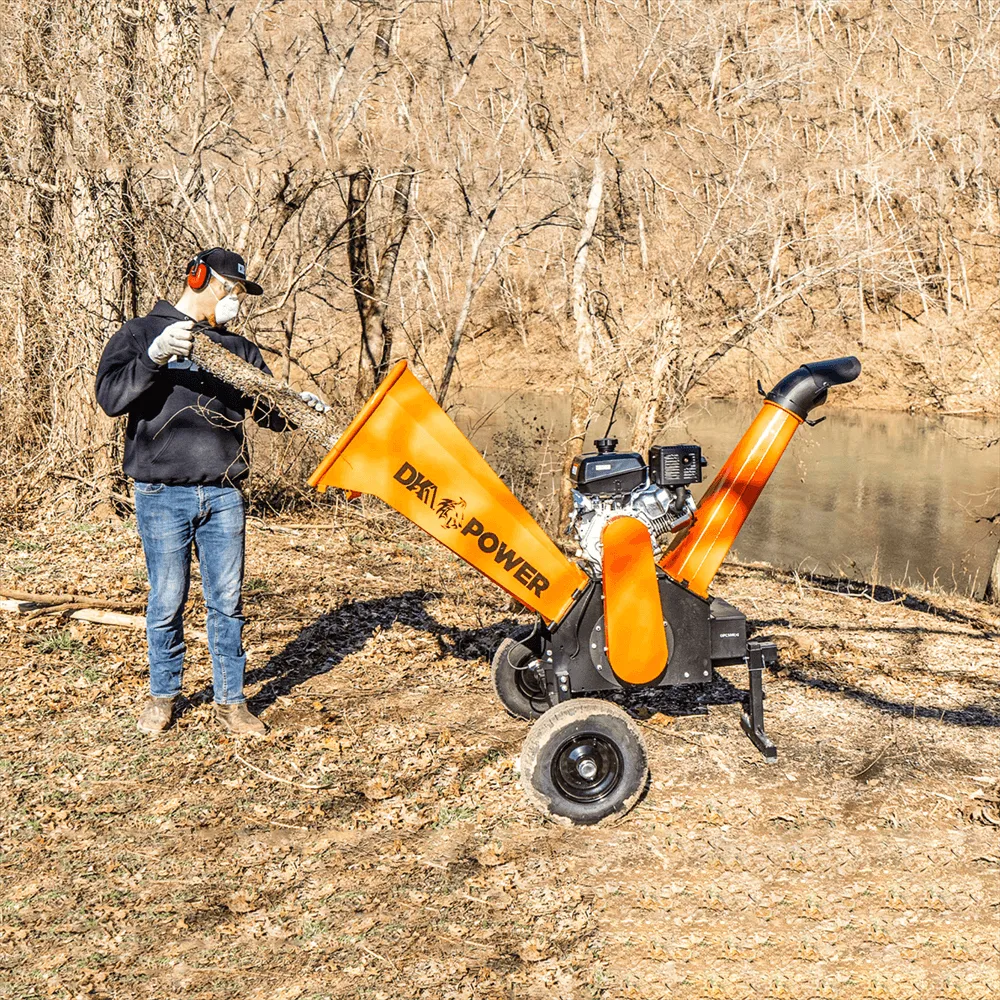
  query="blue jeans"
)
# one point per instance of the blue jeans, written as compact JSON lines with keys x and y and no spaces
{"x":170,"y":519}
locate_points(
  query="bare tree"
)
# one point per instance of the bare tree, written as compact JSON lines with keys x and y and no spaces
{"x":800,"y":183}
{"x":482,"y":215}
{"x":373,"y":283}
{"x":585,"y":334}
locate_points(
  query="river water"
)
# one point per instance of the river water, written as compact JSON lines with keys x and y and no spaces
{"x":882,"y":497}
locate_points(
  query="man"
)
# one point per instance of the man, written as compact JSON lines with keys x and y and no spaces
{"x":185,"y":449}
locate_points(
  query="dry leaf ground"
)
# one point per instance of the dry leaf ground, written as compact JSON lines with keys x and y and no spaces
{"x":376,"y":843}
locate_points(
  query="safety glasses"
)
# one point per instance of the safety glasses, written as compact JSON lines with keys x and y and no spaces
{"x":236,"y":288}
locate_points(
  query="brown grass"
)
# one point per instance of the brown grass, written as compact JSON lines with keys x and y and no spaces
{"x":376,"y":843}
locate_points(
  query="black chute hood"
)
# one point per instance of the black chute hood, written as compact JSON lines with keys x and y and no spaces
{"x":805,"y":388}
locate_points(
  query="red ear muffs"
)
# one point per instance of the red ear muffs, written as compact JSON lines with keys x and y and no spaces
{"x":197,"y":276}
{"x":198,"y":272}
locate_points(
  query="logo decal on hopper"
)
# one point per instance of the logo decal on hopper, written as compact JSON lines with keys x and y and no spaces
{"x":452,"y":513}
{"x":417,"y":482}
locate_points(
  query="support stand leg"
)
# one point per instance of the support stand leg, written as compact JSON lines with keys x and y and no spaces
{"x":752,"y":720}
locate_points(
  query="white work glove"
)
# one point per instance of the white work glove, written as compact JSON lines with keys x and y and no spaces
{"x":176,"y":341}
{"x":311,"y":399}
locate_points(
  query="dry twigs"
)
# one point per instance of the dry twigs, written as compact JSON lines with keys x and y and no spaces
{"x":276,"y":777}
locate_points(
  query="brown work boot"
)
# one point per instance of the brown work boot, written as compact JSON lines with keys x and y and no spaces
{"x":239,"y":720}
{"x":156,"y":715}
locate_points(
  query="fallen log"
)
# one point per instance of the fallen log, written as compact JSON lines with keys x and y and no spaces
{"x":79,"y":600}
{"x":95,"y":616}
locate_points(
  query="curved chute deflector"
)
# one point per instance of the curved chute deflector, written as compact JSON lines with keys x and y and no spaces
{"x":699,"y":553}
{"x":634,"y":628}
{"x":403,"y":448}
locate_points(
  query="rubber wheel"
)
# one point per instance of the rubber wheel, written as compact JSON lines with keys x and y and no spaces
{"x":520,"y":691}
{"x":583,"y":761}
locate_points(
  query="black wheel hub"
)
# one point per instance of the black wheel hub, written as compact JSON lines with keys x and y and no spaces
{"x":587,"y":768}
{"x":530,"y":684}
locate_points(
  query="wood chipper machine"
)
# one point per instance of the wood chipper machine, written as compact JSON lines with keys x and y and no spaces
{"x":633,"y":611}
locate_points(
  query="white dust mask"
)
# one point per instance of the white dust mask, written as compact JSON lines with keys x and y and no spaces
{"x":226,"y":309}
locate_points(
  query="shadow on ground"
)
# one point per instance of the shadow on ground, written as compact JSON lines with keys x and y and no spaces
{"x":879,"y":594}
{"x":967,"y":715}
{"x":321,"y":646}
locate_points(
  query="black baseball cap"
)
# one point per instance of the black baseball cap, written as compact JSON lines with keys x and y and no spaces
{"x":230,"y":265}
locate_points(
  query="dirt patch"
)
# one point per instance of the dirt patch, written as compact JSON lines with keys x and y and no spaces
{"x":376,"y":843}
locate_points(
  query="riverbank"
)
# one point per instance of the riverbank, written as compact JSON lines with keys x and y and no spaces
{"x":376,"y":843}
{"x":936,"y":368}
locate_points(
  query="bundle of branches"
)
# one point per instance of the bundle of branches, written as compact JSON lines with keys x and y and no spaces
{"x":255,"y":384}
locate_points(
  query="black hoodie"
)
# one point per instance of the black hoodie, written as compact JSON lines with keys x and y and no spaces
{"x":185,"y":426}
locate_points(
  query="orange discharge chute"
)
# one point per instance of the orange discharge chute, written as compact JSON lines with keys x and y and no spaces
{"x":698,"y":555}
{"x":403,"y":448}
{"x":633,"y":615}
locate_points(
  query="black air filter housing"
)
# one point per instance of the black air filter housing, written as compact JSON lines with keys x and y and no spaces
{"x":675,"y":464}
{"x":609,"y":473}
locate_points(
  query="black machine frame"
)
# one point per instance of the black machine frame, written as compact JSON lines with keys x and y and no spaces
{"x":570,"y":656}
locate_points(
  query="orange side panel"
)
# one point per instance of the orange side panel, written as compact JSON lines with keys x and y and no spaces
{"x":696,"y":558}
{"x":403,"y":448}
{"x":633,"y":616}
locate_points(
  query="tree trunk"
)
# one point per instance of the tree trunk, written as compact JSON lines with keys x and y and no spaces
{"x":359,"y":260}
{"x":580,"y":404}
{"x":658,"y":398}
{"x":471,"y":287}
{"x":399,"y":221}
{"x":370,"y":292}
{"x":33,"y":416}
{"x":993,"y":584}
{"x":128,"y":244}
{"x":103,"y":265}
{"x":383,"y":37}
